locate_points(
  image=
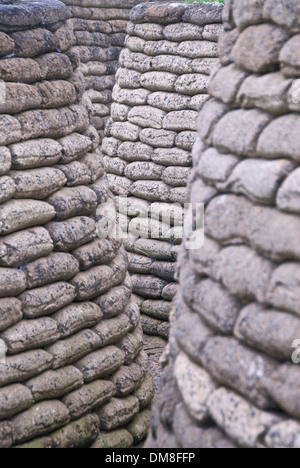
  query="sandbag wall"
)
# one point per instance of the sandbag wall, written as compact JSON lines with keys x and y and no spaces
{"x":161,"y":85}
{"x":100,"y":30}
{"x":233,"y":375}
{"x":75,"y":372}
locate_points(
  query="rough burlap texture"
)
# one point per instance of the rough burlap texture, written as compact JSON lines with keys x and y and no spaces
{"x":75,"y":374}
{"x":161,"y":85}
{"x":100,"y":31}
{"x":231,"y":380}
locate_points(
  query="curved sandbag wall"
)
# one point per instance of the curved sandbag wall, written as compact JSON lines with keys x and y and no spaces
{"x":161,"y":85}
{"x":232,"y":379}
{"x":74,"y":374}
{"x":100,"y":31}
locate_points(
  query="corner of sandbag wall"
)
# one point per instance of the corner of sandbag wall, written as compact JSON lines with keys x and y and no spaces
{"x":161,"y":84}
{"x":72,"y":369}
{"x":100,"y":30}
{"x":232,"y":379}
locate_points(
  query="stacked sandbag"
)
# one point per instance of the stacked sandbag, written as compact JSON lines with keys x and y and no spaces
{"x":161,"y":85}
{"x":100,"y":30}
{"x":74,"y":373}
{"x":233,"y":377}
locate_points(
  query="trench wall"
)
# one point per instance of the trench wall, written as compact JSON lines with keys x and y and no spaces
{"x":161,"y":84}
{"x":75,"y":374}
{"x":230,"y":380}
{"x":100,"y":31}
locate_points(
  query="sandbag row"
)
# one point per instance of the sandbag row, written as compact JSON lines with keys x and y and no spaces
{"x":161,"y":85}
{"x":100,"y":31}
{"x":233,"y":369}
{"x":72,"y":369}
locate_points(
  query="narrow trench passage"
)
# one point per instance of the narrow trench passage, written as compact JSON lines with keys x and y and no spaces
{"x":84,"y":319}
{"x":155,"y":347}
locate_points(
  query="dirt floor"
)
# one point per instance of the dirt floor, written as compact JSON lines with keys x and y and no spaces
{"x":154,"y":347}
